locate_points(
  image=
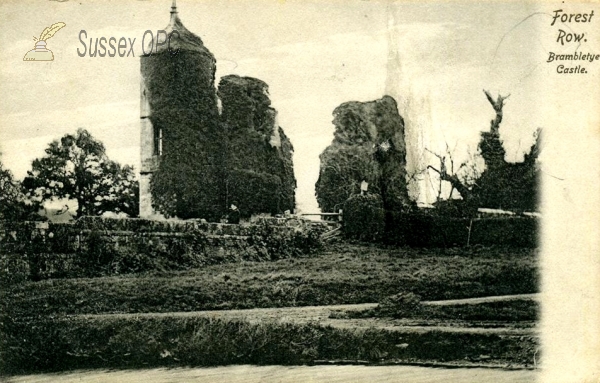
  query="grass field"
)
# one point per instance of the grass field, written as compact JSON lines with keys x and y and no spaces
{"x":38,"y":334}
{"x":339,"y":274}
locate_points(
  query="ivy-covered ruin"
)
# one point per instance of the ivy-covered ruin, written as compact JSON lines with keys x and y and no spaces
{"x":368,"y":146}
{"x":200,"y":156}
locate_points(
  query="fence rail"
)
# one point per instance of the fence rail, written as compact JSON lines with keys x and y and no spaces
{"x":339,"y":215}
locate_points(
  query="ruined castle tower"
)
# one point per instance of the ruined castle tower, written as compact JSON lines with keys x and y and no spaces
{"x":196,"y":160}
{"x":178,"y":111}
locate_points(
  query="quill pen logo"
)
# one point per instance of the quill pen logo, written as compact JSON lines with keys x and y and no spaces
{"x":41,"y":53}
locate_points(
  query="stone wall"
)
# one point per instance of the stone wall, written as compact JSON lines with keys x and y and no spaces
{"x":100,"y":246}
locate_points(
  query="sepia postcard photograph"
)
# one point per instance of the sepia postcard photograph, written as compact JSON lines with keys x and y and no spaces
{"x":299,"y":191}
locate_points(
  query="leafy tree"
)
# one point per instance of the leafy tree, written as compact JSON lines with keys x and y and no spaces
{"x":14,"y":205}
{"x":76,"y":167}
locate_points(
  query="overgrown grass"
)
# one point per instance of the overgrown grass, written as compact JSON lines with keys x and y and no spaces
{"x":67,"y":344}
{"x":510,"y":311}
{"x":504,"y":311}
{"x":341,"y":274}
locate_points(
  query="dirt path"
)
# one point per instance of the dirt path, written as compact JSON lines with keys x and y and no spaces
{"x":474,"y":301}
{"x":281,"y":374}
{"x":321,"y":314}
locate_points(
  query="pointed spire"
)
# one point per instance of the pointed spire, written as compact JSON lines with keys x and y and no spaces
{"x":174,"y":16}
{"x":183,"y":39}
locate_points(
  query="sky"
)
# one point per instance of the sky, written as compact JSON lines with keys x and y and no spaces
{"x":435,"y":58}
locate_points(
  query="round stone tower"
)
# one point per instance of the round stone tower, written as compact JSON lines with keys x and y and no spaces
{"x":178,"y":110}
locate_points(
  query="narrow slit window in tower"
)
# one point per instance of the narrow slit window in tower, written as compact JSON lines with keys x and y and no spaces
{"x":158,"y":142}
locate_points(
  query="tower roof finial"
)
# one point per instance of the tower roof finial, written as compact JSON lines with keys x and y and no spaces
{"x":174,"y":15}
{"x":182,"y":40}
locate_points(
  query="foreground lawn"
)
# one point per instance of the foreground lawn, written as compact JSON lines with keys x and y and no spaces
{"x":339,"y":274}
{"x":108,"y":342}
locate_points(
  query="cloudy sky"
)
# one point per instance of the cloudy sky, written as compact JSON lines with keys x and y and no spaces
{"x":434,"y":58}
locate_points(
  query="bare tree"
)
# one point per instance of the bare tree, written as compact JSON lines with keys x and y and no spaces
{"x":447,"y":173}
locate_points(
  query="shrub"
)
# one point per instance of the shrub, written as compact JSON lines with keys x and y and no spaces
{"x":14,"y":268}
{"x":307,"y":241}
{"x":399,"y":305}
{"x":364,"y":217}
{"x":276,"y":242}
{"x":96,"y":256}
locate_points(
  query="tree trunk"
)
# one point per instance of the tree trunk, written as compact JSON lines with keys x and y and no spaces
{"x":497,"y":104}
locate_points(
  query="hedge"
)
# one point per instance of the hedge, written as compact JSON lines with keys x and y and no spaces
{"x":364,"y":217}
{"x":426,"y":230}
